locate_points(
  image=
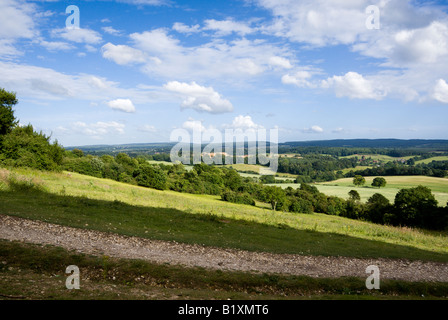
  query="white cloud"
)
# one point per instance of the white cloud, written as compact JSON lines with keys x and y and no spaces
{"x":147,"y":128}
{"x":183,"y":28}
{"x":338,"y":130}
{"x":99,"y":128}
{"x":409,"y":47}
{"x":243,"y":123}
{"x":122,"y":54}
{"x":412,"y":37}
{"x":280,"y":62}
{"x":441,"y":91}
{"x":156,"y":42}
{"x":56,"y":45}
{"x":193,"y":126}
{"x":16,"y":19}
{"x":199,"y":98}
{"x":354,"y":86}
{"x":111,"y":30}
{"x":145,"y":2}
{"x":16,"y":22}
{"x":317,"y":22}
{"x":77,"y":35}
{"x":300,"y":79}
{"x":313,"y":129}
{"x":237,"y":59}
{"x":7,"y":48}
{"x":124,"y":105}
{"x":48,"y":84}
{"x":226,"y":27}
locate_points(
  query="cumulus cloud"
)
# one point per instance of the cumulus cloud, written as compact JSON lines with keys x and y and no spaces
{"x":111,"y":30}
{"x":183,"y":28}
{"x":226,"y":27}
{"x":408,"y":47}
{"x":156,"y":42}
{"x":124,"y":105}
{"x":441,"y":91}
{"x":300,"y":78}
{"x":317,"y":22}
{"x":243,"y":123}
{"x":79,"y":35}
{"x":193,"y":125}
{"x":313,"y":129}
{"x":199,"y":98}
{"x":238,"y":58}
{"x":16,"y":22}
{"x":354,"y":86}
{"x":280,"y":62}
{"x":122,"y":54}
{"x":56,"y":45}
{"x":99,"y":128}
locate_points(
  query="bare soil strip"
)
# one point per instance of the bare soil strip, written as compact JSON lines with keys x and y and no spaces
{"x":101,"y":243}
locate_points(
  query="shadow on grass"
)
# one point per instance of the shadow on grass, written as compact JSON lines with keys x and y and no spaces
{"x":205,"y":229}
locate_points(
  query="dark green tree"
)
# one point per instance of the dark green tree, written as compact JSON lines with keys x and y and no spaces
{"x":377,"y":206}
{"x":415,"y":207}
{"x":274,"y":196}
{"x":379,"y":182}
{"x":359,"y":180}
{"x":354,"y":195}
{"x":7,"y":119}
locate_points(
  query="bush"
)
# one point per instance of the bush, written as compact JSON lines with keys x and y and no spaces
{"x":301,"y":206}
{"x":152,"y":177}
{"x":242,"y":198}
{"x":23,"y":147}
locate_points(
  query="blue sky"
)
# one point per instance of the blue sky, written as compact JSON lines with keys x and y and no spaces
{"x":135,"y":70}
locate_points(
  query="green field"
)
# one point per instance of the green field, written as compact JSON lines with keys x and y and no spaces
{"x":341,"y":187}
{"x":378,"y":157}
{"x":346,"y":170}
{"x":105,"y":205}
{"x":440,"y":158}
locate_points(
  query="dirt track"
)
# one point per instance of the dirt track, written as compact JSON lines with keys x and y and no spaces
{"x":99,"y":243}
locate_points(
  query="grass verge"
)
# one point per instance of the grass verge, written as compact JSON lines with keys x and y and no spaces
{"x":30,"y":271}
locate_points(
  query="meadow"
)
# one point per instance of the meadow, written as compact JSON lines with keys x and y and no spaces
{"x":86,"y":202}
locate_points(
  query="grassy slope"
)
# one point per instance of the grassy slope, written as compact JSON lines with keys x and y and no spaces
{"x":87,"y":202}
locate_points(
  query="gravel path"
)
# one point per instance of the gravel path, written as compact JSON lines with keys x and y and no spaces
{"x":99,"y":243}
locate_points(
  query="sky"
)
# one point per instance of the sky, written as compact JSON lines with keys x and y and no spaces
{"x":133,"y":71}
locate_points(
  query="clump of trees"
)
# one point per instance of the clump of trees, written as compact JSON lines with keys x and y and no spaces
{"x":21,"y":146}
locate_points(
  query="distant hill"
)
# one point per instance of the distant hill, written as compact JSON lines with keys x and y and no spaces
{"x":441,"y":145}
{"x":154,"y":148}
